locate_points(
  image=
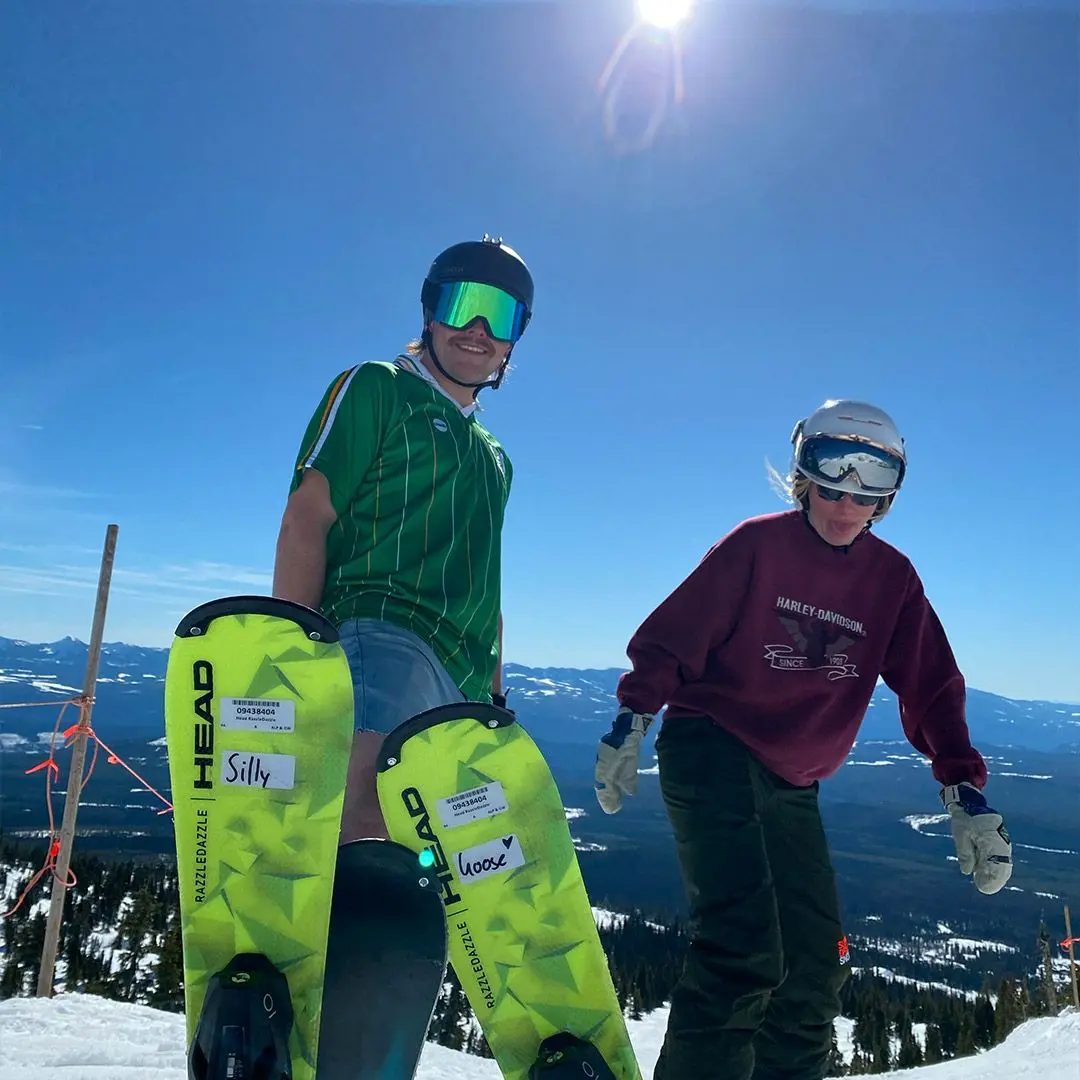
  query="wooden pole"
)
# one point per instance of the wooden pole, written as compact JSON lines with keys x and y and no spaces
{"x":75,"y":774}
{"x":1072,"y":957}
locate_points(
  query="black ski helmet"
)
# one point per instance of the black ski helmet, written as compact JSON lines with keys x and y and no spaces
{"x":488,"y":262}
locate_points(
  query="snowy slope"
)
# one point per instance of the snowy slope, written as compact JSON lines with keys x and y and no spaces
{"x":79,"y":1037}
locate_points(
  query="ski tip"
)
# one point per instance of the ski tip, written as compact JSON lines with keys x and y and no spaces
{"x":488,"y":716}
{"x":314,"y":625}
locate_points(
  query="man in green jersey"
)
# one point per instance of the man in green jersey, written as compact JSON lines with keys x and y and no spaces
{"x":394,"y":519}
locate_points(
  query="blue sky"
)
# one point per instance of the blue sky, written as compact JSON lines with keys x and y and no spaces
{"x":213,"y":208}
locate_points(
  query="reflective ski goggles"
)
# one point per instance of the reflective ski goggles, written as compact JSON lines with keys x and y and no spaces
{"x":836,"y":494}
{"x":851,"y":465}
{"x":459,"y":303}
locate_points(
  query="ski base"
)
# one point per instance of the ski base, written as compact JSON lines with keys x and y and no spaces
{"x":384,"y":966}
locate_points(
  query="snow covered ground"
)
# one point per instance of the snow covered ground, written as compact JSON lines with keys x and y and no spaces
{"x":79,"y":1037}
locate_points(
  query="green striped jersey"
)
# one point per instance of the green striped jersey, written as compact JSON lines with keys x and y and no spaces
{"x":420,"y":489}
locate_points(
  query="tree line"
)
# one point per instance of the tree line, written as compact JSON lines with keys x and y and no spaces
{"x":887,"y":1014}
{"x":121,"y":939}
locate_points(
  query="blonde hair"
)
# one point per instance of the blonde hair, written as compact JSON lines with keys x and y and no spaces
{"x":795,"y":489}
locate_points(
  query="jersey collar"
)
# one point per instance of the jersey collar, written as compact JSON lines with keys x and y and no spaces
{"x":413,"y":365}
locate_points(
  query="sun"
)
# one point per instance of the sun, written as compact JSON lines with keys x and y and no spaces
{"x":666,"y":14}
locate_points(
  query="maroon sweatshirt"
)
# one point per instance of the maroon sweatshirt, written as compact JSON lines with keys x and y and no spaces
{"x":779,"y":638}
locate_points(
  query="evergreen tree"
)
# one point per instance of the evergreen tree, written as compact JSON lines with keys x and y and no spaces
{"x":908,"y":1055}
{"x":11,"y":983}
{"x":1007,"y":1013}
{"x":965,"y":1034}
{"x":478,"y":1044}
{"x":168,"y":990}
{"x":984,"y":1020}
{"x":133,"y":939}
{"x":28,"y":949}
{"x":949,"y":1026}
{"x":862,"y":1037}
{"x":860,"y":1063}
{"x":835,"y":1065}
{"x":1024,"y":1000}
{"x":871,"y":1034}
{"x":882,"y":1054}
{"x":934,"y":1051}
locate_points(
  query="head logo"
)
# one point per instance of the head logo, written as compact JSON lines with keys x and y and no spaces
{"x":414,"y":803}
{"x":202,"y":677}
{"x":439,"y":424}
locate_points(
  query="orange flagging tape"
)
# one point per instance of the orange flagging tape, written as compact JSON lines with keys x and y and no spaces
{"x":52,"y":771}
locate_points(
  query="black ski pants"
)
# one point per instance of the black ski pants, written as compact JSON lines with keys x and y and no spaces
{"x":764,"y":969}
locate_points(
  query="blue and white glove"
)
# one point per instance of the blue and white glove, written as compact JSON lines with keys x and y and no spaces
{"x":617,"y":759}
{"x":983,"y":847}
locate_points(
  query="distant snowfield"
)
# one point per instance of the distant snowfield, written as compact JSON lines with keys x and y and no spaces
{"x":572,"y":814}
{"x":80,"y":1037}
{"x":919,"y":822}
{"x":46,"y":685}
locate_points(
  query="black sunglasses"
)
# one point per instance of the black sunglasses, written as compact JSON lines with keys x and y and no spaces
{"x":832,"y":495}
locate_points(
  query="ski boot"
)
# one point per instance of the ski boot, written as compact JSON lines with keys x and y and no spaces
{"x":243,"y":1030}
{"x":566,"y":1057}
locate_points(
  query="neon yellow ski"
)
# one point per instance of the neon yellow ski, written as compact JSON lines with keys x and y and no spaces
{"x":467,"y":783}
{"x":259,"y":723}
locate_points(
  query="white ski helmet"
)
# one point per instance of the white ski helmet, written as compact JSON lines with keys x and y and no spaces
{"x":851,"y":446}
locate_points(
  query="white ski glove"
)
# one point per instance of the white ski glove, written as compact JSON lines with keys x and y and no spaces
{"x":617,"y":759}
{"x":982,"y":842}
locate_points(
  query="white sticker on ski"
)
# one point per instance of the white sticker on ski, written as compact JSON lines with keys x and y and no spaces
{"x":466,"y":806}
{"x":494,"y":857}
{"x":241,"y":768}
{"x":257,"y":714}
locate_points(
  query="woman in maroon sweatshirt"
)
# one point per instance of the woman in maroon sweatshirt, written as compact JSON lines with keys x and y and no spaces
{"x":766,"y":657}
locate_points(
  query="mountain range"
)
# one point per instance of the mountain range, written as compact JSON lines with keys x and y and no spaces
{"x":556,"y":705}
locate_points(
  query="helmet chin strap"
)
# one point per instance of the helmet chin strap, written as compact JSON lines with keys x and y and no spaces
{"x":429,"y":345}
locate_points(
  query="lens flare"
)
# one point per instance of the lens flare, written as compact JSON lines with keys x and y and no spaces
{"x":641,"y":86}
{"x":666,"y":14}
